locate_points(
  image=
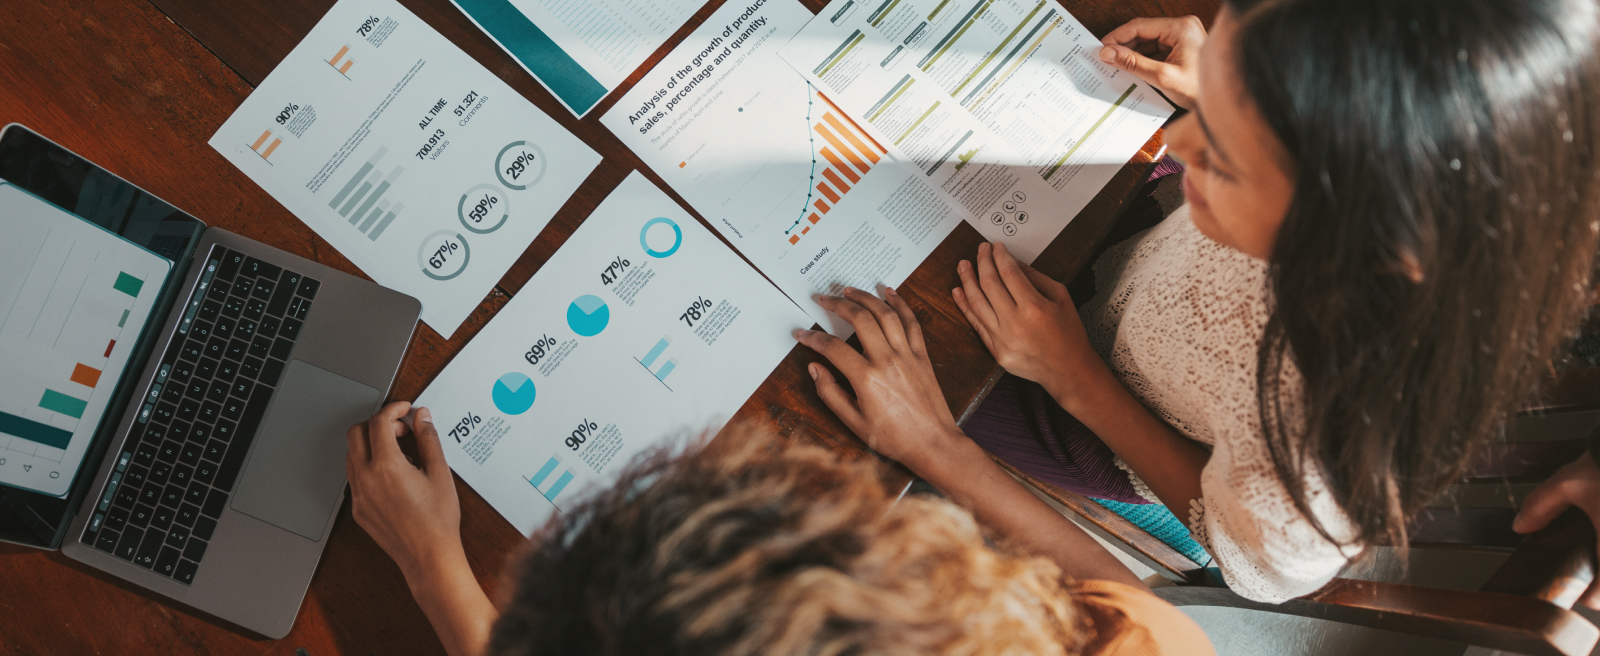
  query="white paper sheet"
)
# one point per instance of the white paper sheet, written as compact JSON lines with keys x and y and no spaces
{"x":641,"y":329}
{"x":786,"y":177}
{"x":1003,"y":104}
{"x":417,"y":163}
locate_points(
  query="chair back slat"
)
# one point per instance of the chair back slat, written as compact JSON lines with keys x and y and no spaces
{"x":1556,"y":564}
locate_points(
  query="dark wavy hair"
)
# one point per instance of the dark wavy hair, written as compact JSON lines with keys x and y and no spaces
{"x":756,"y":551}
{"x":1441,"y":243}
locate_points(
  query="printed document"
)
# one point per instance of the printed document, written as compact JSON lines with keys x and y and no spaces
{"x":579,"y":49}
{"x":1004,"y":105}
{"x":73,"y":300}
{"x":794,"y":183}
{"x":417,"y":163}
{"x":643,"y":328}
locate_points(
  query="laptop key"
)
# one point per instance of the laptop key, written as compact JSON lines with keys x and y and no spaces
{"x":145,"y":454}
{"x":169,"y":452}
{"x":127,"y":496}
{"x":116,"y":520}
{"x":185,"y":572}
{"x":181,"y":371}
{"x":224,"y":430}
{"x":172,"y":393}
{"x":200,"y":330}
{"x":159,"y":473}
{"x":208,"y":412}
{"x":140,"y":517}
{"x":107,"y":541}
{"x":255,"y":308}
{"x":215,"y":347}
{"x":281,"y":348}
{"x":280,"y":299}
{"x":227,"y":369}
{"x":209,"y":311}
{"x":190,"y":454}
{"x":135,"y":476}
{"x":308,"y":287}
{"x":149,"y":548}
{"x":128,"y":544}
{"x":200,"y":432}
{"x":270,"y":324}
{"x":197,"y":387}
{"x":187,"y":409}
{"x":223,"y":328}
{"x":242,"y":387}
{"x":167,"y":562}
{"x":216,"y":502}
{"x":163,"y":412}
{"x":264,"y":289}
{"x":197,"y":493}
{"x":233,"y":408}
{"x":251,"y":367}
{"x":233,"y":307}
{"x":150,"y":495}
{"x":186,"y":515}
{"x":214,"y":450}
{"x":237,"y":348}
{"x":245,"y":330}
{"x":255,"y":267}
{"x":181,"y":475}
{"x":205,"y":472}
{"x":204,"y":527}
{"x":172,"y":496}
{"x":161,"y":518}
{"x":262,"y":346}
{"x":271,"y":371}
{"x":231,"y":261}
{"x":195,"y":550}
{"x":177,"y":537}
{"x":291,"y":329}
{"x":243,"y":286}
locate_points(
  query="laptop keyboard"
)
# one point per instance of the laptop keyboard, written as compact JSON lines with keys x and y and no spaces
{"x":161,"y":503}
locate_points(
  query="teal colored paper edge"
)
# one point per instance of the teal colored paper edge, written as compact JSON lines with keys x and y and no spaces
{"x":537,"y":52}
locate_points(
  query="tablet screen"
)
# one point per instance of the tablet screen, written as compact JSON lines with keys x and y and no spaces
{"x":74,"y":298}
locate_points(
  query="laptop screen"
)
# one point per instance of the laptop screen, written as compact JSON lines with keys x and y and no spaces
{"x":74,"y":298}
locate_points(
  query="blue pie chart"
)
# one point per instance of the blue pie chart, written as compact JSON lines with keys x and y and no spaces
{"x":588,"y":315}
{"x":514,"y":393}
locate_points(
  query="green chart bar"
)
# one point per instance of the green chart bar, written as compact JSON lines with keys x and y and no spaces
{"x":34,"y":431}
{"x":128,"y":284}
{"x":68,"y":405}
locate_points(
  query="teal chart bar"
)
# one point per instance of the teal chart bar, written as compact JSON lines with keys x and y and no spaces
{"x":34,"y":431}
{"x":537,"y":53}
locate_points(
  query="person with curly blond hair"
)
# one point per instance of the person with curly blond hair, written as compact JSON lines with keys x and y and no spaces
{"x":751,"y":546}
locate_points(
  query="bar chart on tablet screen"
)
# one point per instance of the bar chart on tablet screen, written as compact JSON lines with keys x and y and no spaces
{"x":71,"y":305}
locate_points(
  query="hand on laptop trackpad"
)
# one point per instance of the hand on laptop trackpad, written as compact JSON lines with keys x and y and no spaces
{"x":295,"y":477}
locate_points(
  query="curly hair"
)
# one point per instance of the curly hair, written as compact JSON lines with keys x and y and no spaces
{"x":775,"y":551}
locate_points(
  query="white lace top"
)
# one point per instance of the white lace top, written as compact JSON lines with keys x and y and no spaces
{"x":1179,"y":317}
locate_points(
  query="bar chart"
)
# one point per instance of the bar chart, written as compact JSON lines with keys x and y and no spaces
{"x":847,"y":153}
{"x":360,"y":200}
{"x":65,"y":307}
{"x":548,"y":482}
{"x":654,"y":355}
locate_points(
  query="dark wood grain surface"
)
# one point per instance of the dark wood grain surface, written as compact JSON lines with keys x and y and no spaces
{"x":139,"y":86}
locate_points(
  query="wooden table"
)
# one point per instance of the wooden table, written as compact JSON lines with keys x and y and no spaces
{"x":139,"y":86}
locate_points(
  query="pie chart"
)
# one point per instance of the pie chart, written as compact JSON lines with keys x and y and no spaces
{"x":514,"y":393}
{"x":588,"y":315}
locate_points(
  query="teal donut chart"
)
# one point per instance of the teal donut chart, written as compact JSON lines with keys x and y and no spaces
{"x":677,"y":237}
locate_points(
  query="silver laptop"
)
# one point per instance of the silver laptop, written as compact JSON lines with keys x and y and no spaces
{"x":176,"y":398}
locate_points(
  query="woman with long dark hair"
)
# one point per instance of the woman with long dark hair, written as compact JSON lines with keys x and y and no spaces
{"x":1392,"y":218}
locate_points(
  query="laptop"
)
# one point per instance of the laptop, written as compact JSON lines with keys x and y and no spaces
{"x":176,"y":397}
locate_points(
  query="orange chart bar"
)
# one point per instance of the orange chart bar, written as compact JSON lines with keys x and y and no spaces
{"x":85,"y":375}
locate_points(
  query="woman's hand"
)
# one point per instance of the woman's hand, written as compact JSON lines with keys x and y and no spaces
{"x":897,"y":407}
{"x":1165,"y":52}
{"x":1576,"y":484}
{"x":411,"y":512}
{"x":1029,"y":323}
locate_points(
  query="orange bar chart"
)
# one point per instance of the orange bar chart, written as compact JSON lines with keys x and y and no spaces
{"x":849,"y":152}
{"x":85,"y":375}
{"x":270,"y":147}
{"x":343,"y":68}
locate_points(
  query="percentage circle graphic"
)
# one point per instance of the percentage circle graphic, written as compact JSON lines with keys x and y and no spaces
{"x":489,"y":191}
{"x":644,"y":237}
{"x":537,"y":172}
{"x":514,"y":393}
{"x":423,"y":252}
{"x":587,"y":315}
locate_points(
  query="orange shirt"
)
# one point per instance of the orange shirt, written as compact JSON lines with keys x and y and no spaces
{"x":1127,"y":621}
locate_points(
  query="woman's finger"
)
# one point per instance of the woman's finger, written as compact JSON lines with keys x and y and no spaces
{"x":966,"y":310}
{"x":1163,"y":30}
{"x":1016,"y":281}
{"x":979,"y":302}
{"x":837,"y":399}
{"x":894,"y":332}
{"x":429,"y":449}
{"x":866,"y":325}
{"x":1541,"y":506}
{"x":1053,"y":290}
{"x":846,"y":359}
{"x":381,"y":433}
{"x":908,"y":319}
{"x":994,"y":289}
{"x":360,"y":451}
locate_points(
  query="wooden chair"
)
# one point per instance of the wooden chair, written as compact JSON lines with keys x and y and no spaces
{"x":1524,"y":608}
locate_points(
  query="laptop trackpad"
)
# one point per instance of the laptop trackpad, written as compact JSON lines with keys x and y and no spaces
{"x":295,"y":477}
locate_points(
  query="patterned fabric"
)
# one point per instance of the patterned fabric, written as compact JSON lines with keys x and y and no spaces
{"x":1022,"y":425}
{"x":1155,"y":519}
